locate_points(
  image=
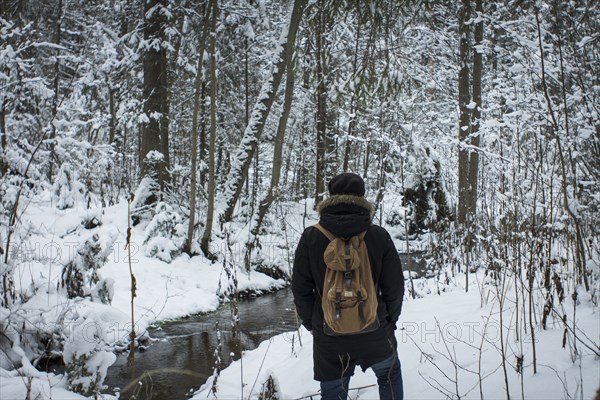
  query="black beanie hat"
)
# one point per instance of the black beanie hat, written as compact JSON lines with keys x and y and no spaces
{"x":347,"y":183}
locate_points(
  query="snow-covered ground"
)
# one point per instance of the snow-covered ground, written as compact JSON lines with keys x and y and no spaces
{"x":447,"y":342}
{"x":183,"y":287}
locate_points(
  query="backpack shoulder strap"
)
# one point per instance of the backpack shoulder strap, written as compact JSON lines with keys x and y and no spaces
{"x":325,"y":232}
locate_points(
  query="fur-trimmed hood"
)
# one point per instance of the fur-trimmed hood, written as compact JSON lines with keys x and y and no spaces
{"x":348,"y":199}
{"x":345,"y":215}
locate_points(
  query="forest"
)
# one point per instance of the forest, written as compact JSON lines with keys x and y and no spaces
{"x":144,"y":138}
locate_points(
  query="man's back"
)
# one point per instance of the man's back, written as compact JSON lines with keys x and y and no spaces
{"x":347,"y":213}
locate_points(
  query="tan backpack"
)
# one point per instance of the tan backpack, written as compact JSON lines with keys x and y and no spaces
{"x":349,"y":297}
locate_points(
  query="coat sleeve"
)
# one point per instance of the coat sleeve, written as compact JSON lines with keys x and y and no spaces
{"x":392,"y":281}
{"x":303,"y":286}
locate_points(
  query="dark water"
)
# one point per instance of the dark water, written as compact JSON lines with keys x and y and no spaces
{"x":180,"y":356}
{"x":416,"y":262}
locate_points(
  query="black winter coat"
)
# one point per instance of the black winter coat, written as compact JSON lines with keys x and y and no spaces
{"x":345,"y":216}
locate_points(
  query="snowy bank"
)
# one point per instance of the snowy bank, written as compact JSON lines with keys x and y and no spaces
{"x":450,"y":346}
{"x":87,"y":329}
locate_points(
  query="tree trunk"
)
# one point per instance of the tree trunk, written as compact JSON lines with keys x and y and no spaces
{"x":55,"y":100}
{"x":464,"y":119}
{"x":352,"y":121}
{"x":202,"y":146}
{"x":154,"y":133}
{"x":476,"y":112}
{"x":367,"y":159}
{"x":113,"y":114}
{"x":197,"y":91}
{"x":331,"y":132}
{"x":262,"y":107}
{"x":204,"y":243}
{"x":321,"y":117}
{"x":3,"y":140}
{"x":165,"y":109}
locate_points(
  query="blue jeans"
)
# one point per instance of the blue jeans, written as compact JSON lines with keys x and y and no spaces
{"x":389,"y":380}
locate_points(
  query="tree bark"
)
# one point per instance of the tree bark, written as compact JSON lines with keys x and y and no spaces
{"x":3,"y":140}
{"x":470,"y":115}
{"x":165,"y":112}
{"x":321,"y":117}
{"x":197,"y":91}
{"x":464,"y":118}
{"x":113,"y":114}
{"x":55,"y":100}
{"x":475,"y":137}
{"x":202,"y":146}
{"x":154,"y":133}
{"x":262,"y":107}
{"x":204,"y":243}
{"x":352,"y":122}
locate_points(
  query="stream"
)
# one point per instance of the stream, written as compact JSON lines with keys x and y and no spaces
{"x":180,"y":355}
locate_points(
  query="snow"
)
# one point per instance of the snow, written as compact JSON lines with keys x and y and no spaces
{"x":434,"y":330}
{"x":50,"y":386}
{"x":165,"y":235}
{"x":184,"y":287}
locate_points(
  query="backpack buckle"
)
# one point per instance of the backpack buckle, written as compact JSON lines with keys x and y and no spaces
{"x":338,"y":305}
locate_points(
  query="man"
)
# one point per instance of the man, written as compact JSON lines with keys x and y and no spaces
{"x":347,"y":213}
